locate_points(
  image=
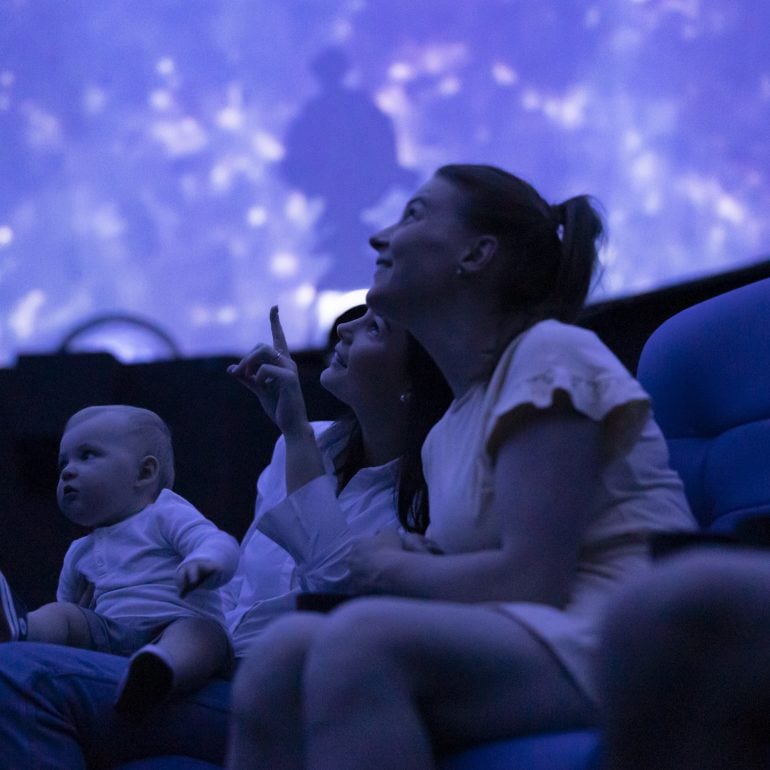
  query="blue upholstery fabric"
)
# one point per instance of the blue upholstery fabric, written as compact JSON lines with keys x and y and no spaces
{"x":578,"y":750}
{"x":708,"y":372}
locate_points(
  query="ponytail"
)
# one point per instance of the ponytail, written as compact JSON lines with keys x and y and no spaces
{"x":579,"y":228}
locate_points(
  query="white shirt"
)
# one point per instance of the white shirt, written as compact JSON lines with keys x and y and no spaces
{"x":132,"y":564}
{"x":638,"y":493}
{"x":298,"y":542}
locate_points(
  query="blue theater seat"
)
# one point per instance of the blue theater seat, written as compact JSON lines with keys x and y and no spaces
{"x":708,"y":372}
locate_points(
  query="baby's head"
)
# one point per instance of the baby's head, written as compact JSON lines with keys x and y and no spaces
{"x":113,"y":461}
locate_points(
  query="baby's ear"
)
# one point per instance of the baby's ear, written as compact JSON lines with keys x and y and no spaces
{"x":148,"y":470}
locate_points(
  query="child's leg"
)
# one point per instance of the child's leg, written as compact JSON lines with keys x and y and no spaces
{"x":189,"y":652}
{"x":59,"y":623}
{"x":197,"y":649}
{"x":55,"y":623}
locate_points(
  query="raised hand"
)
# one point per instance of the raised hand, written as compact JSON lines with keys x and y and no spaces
{"x":270,"y":373}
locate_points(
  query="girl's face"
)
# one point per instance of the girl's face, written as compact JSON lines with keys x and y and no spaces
{"x":368,"y":367}
{"x":418,"y":256}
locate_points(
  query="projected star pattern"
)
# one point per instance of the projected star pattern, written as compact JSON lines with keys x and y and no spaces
{"x":193,"y":162}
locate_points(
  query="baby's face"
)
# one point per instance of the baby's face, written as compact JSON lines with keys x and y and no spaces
{"x":99,"y":470}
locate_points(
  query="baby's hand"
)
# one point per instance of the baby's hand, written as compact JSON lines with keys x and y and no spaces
{"x":192,"y":574}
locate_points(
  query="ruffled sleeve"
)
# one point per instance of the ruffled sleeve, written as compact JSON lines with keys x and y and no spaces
{"x":553,"y":358}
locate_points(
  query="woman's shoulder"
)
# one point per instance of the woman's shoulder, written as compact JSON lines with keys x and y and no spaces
{"x":552,"y":343}
{"x":557,"y":333}
{"x":553,"y":357}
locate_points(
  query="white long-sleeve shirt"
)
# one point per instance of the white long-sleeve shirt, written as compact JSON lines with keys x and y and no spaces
{"x":298,"y":542}
{"x":132,"y":564}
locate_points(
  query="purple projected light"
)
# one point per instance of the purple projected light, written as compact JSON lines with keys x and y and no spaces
{"x":193,"y":163}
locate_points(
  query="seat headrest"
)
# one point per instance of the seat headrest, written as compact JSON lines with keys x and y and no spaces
{"x":707,"y":370}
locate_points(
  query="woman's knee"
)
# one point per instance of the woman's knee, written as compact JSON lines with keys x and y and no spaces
{"x":700,"y":589}
{"x":359,"y":647}
{"x":683,"y":613}
{"x":272,"y":671}
{"x":365,"y":626}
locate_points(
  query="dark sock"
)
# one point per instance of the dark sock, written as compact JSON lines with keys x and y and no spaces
{"x":147,"y":682}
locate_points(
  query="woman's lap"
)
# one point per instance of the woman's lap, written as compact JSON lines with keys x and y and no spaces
{"x":57,"y":712}
{"x":475,"y":671}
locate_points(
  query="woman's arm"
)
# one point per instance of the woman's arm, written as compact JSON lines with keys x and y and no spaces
{"x":546,"y":473}
{"x":316,"y":527}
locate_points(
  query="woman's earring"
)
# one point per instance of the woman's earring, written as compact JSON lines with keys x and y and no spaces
{"x":404,"y":397}
{"x":460,"y":271}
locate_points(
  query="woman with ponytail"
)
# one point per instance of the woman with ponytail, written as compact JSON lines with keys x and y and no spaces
{"x":545,"y":479}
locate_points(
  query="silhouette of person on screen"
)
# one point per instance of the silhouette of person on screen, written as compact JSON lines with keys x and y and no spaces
{"x":342,"y":148}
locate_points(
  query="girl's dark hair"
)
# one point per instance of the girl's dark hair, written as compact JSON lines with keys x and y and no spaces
{"x":428,"y":400}
{"x":552,"y":249}
{"x":352,"y":457}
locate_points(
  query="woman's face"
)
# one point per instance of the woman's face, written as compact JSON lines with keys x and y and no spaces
{"x":418,"y":256}
{"x":368,"y":367}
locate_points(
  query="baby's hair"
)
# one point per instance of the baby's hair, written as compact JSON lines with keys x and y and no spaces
{"x":142,"y":424}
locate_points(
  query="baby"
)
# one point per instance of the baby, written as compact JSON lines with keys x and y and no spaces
{"x":142,"y":582}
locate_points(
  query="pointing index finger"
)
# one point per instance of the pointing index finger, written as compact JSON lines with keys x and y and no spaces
{"x":279,"y":340}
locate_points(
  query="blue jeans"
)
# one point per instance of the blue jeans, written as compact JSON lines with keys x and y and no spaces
{"x":56,"y":713}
